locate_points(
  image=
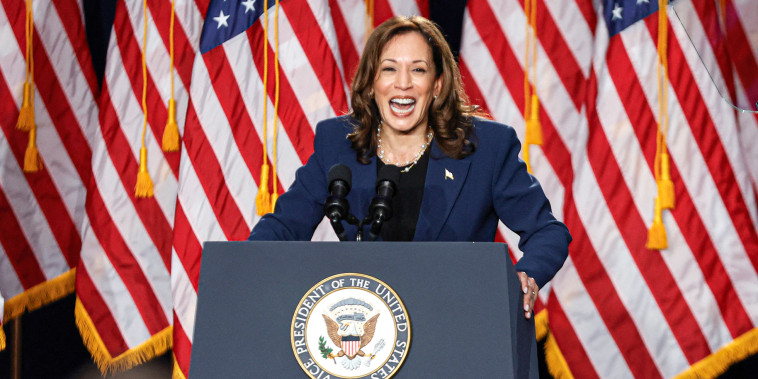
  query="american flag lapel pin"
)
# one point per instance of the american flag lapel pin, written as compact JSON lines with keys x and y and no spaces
{"x":448,"y":175}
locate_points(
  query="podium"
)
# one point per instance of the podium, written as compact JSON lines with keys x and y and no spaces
{"x":464,"y":304}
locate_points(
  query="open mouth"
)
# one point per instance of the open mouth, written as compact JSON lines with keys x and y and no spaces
{"x":402,"y":105}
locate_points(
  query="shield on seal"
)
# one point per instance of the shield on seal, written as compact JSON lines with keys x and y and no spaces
{"x":351,"y":345}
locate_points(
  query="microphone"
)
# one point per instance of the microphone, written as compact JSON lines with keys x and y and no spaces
{"x":381,"y":206}
{"x":336,"y":207}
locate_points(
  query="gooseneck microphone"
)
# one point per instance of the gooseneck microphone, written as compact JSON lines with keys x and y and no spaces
{"x":336,"y":207}
{"x":380,"y":209}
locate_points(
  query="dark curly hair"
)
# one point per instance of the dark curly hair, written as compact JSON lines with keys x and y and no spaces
{"x":450,"y":113}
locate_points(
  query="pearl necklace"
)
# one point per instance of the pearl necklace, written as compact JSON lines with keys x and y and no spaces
{"x":410,"y":163}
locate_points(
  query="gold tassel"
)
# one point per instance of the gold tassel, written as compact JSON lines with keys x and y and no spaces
{"x":171,"y":131}
{"x":32,"y":160}
{"x":665,"y":184}
{"x":263,"y":199}
{"x":144,"y":187}
{"x":656,"y":236}
{"x":533,"y":125}
{"x":26,"y":114}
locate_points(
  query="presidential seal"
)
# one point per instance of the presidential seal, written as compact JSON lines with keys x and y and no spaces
{"x":350,"y":326}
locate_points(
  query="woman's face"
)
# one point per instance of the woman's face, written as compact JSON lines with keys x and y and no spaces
{"x":405,"y":83}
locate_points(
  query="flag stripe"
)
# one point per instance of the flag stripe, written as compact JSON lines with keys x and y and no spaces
{"x":41,"y":184}
{"x":348,"y":50}
{"x":130,"y":48}
{"x":319,"y":54}
{"x":499,"y":48}
{"x":189,"y":245}
{"x":209,"y":170}
{"x":641,"y":114}
{"x":126,"y":265}
{"x":17,"y":247}
{"x":711,"y":146}
{"x":570,"y":346}
{"x":103,"y":319}
{"x":74,"y":27}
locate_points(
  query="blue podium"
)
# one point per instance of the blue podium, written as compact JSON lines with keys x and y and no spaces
{"x":463,"y":302}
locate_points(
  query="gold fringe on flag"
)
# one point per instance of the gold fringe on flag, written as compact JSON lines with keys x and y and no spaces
{"x":171,"y":131}
{"x":177,"y":372}
{"x":156,"y":346}
{"x":540,"y":325}
{"x":2,"y":338}
{"x":717,"y":363}
{"x":556,"y":362}
{"x":39,"y":295}
{"x":709,"y":367}
{"x":533,"y":127}
{"x":144,"y":186}
{"x":26,"y":113}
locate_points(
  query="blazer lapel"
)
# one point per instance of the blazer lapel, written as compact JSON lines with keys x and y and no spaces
{"x":444,"y":179}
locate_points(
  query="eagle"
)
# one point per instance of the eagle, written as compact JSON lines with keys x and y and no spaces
{"x":349,"y":336}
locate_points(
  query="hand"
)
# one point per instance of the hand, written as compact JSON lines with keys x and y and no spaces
{"x":530,"y":288}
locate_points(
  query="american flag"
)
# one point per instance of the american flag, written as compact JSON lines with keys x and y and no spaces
{"x":124,"y":305}
{"x":617,"y":309}
{"x":41,"y":213}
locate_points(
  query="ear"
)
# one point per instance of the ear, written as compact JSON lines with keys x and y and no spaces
{"x":437,"y":86}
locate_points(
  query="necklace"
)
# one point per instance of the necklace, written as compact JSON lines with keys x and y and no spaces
{"x":411,"y":162}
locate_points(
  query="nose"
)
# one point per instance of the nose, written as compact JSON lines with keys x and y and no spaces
{"x":403,"y":80}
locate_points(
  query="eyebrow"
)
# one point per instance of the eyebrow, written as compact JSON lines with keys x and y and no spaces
{"x":395,"y":61}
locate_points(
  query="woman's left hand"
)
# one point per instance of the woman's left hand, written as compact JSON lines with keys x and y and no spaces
{"x":530,"y":288}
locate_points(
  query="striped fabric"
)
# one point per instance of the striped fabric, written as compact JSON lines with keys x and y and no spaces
{"x":617,"y":309}
{"x":124,"y":305}
{"x":42,"y":213}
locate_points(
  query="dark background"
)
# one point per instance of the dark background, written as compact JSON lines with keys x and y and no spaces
{"x":51,"y":344}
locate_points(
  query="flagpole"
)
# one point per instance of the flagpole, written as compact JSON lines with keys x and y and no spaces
{"x":16,"y":348}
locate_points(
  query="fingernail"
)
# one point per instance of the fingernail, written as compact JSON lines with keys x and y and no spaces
{"x":527,"y":315}
{"x":524,"y":290}
{"x":526,"y":308}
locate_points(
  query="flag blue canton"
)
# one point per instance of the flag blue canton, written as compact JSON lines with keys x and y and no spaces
{"x":619,"y":14}
{"x":228,"y":18}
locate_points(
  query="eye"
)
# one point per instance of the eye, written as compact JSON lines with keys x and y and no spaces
{"x":419,"y":69}
{"x":388,"y":69}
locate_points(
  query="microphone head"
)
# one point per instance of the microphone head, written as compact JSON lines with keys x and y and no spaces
{"x":341,"y":172}
{"x":388,"y":173}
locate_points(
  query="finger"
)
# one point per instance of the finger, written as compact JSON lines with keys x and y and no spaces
{"x":524,"y":279}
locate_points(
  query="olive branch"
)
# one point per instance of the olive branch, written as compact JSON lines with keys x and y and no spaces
{"x":326,"y":352}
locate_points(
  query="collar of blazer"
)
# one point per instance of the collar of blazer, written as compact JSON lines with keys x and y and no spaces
{"x":445,"y":177}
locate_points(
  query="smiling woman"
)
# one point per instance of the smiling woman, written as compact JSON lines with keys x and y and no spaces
{"x":457,"y":174}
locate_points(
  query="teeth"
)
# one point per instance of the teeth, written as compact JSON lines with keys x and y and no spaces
{"x":403,"y":101}
{"x":402,"y":111}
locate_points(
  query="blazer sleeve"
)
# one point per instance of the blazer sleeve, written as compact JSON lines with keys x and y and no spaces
{"x":523,"y":207}
{"x":299,"y":210}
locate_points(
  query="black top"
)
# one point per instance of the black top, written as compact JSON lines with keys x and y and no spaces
{"x":406,"y":204}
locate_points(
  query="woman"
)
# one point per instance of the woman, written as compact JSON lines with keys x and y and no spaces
{"x":459,"y":174}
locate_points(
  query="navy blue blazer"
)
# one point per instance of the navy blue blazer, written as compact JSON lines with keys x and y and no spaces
{"x":463,"y":199}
